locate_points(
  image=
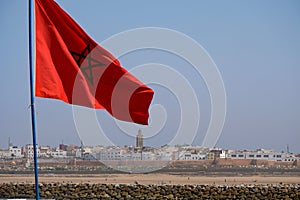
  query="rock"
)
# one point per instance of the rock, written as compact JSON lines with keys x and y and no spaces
{"x":121,"y":191}
{"x":170,"y":196}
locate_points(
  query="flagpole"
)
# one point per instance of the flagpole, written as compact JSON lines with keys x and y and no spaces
{"x":31,"y":65}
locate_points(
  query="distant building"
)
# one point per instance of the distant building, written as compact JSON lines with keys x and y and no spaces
{"x":73,"y":151}
{"x":191,"y":156}
{"x":215,"y":153}
{"x":192,"y":153}
{"x":4,"y":153}
{"x":58,"y":153}
{"x":15,"y":152}
{"x":210,"y":156}
{"x":124,"y":153}
{"x":113,"y":153}
{"x":29,"y":151}
{"x":139,"y":140}
{"x":261,"y":154}
{"x":63,"y":147}
{"x":45,"y":151}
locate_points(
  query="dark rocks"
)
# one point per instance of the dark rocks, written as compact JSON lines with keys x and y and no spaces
{"x":137,"y":191}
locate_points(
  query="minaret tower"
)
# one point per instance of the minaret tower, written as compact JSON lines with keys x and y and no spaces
{"x":139,"y":140}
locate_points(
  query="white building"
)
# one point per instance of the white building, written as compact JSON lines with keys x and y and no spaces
{"x":113,"y":153}
{"x":15,"y":152}
{"x":168,"y":153}
{"x":78,"y":153}
{"x":118,"y":153}
{"x":29,"y":151}
{"x":192,"y":153}
{"x":4,"y":153}
{"x":223,"y":154}
{"x":187,"y":155}
{"x":260,"y":154}
{"x":163,"y":154}
{"x":147,"y":155}
{"x":58,"y":153}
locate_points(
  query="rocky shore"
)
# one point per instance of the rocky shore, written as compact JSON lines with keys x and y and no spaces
{"x":123,"y":191}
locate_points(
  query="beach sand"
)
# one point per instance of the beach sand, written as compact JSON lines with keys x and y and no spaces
{"x":147,"y":179}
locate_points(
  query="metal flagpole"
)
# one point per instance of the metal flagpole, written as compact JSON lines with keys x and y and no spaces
{"x":31,"y":65}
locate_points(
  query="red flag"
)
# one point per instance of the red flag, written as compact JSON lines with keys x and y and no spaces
{"x":72,"y":67}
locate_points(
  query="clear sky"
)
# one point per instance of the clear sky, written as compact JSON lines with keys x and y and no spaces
{"x":255,"y":45}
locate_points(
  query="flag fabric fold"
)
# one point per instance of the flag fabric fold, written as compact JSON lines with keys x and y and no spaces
{"x":72,"y":67}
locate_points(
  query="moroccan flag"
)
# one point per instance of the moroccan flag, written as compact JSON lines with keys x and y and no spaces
{"x":72,"y":67}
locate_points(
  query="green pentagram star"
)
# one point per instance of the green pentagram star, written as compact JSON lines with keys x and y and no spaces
{"x":89,"y":63}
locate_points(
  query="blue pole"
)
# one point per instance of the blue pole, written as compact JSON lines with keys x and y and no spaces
{"x":31,"y":65}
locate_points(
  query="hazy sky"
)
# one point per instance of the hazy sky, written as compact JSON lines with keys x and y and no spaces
{"x":255,"y":45}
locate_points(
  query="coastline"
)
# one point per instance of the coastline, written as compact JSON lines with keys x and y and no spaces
{"x":149,"y":179}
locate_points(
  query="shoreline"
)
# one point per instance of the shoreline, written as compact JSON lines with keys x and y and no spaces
{"x":150,"y":179}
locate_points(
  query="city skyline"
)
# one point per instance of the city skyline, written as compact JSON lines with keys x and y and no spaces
{"x":138,"y":143}
{"x":140,"y":159}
